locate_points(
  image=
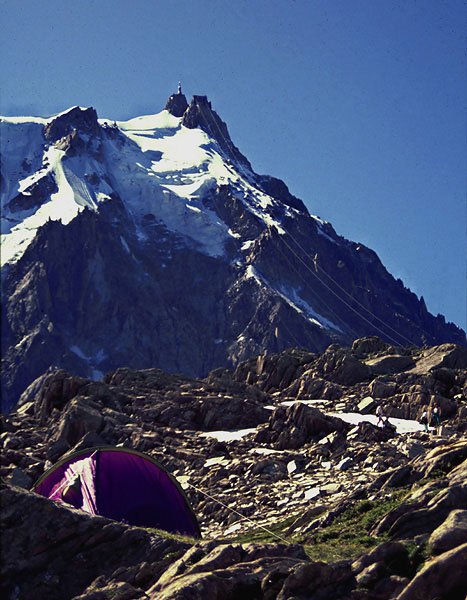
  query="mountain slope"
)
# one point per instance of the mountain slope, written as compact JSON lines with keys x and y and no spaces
{"x":152,"y":242}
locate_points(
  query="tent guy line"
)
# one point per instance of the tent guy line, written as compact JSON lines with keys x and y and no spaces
{"x":238,"y":513}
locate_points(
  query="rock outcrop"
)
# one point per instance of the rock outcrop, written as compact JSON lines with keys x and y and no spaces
{"x":380,"y":513}
{"x":177,"y":104}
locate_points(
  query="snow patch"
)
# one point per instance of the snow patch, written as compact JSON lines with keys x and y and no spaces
{"x":77,"y":350}
{"x":228,"y":436}
{"x":401,"y":425}
{"x":156,"y":165}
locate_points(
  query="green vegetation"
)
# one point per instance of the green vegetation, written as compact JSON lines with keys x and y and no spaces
{"x":418,"y":553}
{"x":261,"y":536}
{"x":346,"y":537}
{"x":172,"y":536}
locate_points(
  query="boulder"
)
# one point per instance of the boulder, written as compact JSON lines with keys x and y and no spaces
{"x":296,"y":425}
{"x":379,"y":388}
{"x":227,"y":571}
{"x":444,"y":458}
{"x":450,"y":356}
{"x":390,"y":587}
{"x":81,"y":417}
{"x":370,"y":433}
{"x":422,"y":516}
{"x":392,"y":554}
{"x":41,"y":539}
{"x":451,"y":533}
{"x":386,"y":365}
{"x":52,"y":390}
{"x":340,"y":366}
{"x":442,"y":578}
{"x":367,"y":405}
{"x":318,"y":581}
{"x":21,"y":479}
{"x":364,"y":347}
{"x":273,"y":371}
{"x":344,"y":464}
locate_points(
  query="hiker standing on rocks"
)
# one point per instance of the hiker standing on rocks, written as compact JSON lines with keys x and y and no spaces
{"x":380,"y":415}
{"x":424,"y":419}
{"x":436,"y":419}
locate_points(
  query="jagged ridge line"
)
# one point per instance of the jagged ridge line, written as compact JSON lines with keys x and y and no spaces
{"x":228,"y":143}
{"x":319,"y":279}
{"x":356,"y":312}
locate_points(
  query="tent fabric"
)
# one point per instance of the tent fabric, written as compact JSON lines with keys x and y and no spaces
{"x":123,"y":485}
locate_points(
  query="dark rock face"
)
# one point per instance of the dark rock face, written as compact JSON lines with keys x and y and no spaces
{"x":451,"y":533}
{"x":443,"y":577}
{"x":278,"y":189}
{"x":41,"y":540}
{"x":370,"y":433}
{"x":37,"y":194}
{"x":228,"y":571}
{"x":341,"y":367}
{"x":201,"y":114}
{"x":177,"y":104}
{"x":83,"y":120}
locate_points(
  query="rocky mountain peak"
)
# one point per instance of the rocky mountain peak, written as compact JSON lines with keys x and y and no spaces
{"x":102,"y":222}
{"x":201,"y":114}
{"x":177,"y":103}
{"x":83,"y":120}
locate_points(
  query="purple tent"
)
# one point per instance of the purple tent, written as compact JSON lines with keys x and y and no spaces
{"x":123,"y":485}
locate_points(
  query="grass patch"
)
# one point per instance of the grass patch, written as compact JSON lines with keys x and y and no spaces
{"x":418,"y":553}
{"x":186,"y":539}
{"x":261,"y":536}
{"x":348,"y":535}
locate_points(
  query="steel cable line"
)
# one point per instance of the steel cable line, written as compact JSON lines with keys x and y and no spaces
{"x":346,"y":326}
{"x":228,"y":143}
{"x":337,"y":295}
{"x":349,"y":295}
{"x":233,"y":510}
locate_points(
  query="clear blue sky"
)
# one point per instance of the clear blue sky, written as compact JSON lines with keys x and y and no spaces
{"x":359,"y":105}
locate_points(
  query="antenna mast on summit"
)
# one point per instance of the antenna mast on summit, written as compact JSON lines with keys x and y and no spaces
{"x":179,"y":90}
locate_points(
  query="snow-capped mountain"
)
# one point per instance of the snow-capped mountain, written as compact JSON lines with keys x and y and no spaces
{"x":152,"y":242}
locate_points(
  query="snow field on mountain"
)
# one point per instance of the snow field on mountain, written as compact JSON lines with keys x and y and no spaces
{"x":164,"y":170}
{"x":64,"y":205}
{"x":185,"y":163}
{"x":164,"y":173}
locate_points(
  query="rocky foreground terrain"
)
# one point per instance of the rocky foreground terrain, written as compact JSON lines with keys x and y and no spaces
{"x":351,"y":511}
